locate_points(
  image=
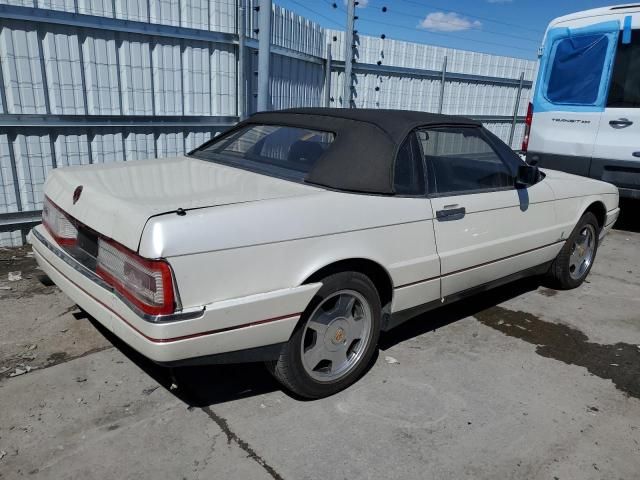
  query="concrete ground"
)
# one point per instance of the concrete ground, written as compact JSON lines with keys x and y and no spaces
{"x":520,"y":382}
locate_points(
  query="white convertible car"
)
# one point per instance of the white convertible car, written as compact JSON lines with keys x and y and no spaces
{"x":297,"y":236}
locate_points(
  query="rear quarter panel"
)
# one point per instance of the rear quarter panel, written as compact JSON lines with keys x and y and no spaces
{"x":233,"y":251}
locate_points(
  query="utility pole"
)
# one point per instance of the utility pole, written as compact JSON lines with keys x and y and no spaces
{"x":516,"y":107}
{"x":264,"y":54}
{"x":242,"y":61}
{"x":443,"y":80}
{"x":327,"y":78}
{"x":348,"y":53}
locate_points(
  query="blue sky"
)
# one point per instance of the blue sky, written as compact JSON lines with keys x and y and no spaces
{"x":501,"y":27}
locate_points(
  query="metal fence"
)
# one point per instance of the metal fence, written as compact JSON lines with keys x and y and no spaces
{"x":91,"y":81}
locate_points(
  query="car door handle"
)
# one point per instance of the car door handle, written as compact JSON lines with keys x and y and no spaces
{"x":449,"y":214}
{"x":620,"y":123}
{"x":636,"y":154}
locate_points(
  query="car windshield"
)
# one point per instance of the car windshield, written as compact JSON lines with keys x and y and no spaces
{"x":276,"y":150}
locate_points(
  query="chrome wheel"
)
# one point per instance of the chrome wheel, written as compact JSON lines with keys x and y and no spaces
{"x":582,"y":252}
{"x":336,"y":336}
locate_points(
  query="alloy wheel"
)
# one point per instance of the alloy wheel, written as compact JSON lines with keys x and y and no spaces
{"x":336,"y":336}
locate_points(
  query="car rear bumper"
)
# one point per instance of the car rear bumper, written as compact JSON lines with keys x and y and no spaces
{"x":227,"y":326}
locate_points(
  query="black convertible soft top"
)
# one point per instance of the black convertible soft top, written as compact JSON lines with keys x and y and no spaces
{"x":395,"y":123}
{"x":362,"y":156}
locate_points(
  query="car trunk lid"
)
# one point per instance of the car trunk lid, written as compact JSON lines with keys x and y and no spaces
{"x":117,"y":199}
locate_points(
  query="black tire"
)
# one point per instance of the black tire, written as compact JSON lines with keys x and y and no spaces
{"x":561,"y":274}
{"x":289,"y":369}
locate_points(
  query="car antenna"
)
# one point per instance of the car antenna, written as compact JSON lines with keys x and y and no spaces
{"x":181,"y":212}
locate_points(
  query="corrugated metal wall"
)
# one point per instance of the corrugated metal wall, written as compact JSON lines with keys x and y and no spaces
{"x":90,"y":81}
{"x":405,"y":91}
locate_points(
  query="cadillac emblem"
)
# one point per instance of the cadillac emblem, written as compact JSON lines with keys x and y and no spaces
{"x":76,"y":194}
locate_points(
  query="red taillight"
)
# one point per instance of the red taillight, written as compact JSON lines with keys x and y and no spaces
{"x":147,"y":284}
{"x":527,"y":128}
{"x":58,"y":224}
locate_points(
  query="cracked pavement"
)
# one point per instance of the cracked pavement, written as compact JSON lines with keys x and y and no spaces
{"x":519,"y":382}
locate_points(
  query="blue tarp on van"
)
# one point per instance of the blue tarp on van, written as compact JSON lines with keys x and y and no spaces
{"x":575,"y":68}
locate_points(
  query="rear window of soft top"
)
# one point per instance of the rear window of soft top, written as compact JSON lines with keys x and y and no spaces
{"x":277,"y":149}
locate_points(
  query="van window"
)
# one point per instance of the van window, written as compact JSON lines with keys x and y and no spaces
{"x":625,"y":82}
{"x":576,"y":70}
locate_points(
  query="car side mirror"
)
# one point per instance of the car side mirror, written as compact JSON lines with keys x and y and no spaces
{"x":527,"y":175}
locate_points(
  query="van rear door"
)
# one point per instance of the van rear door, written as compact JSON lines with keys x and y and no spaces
{"x":616,"y":154}
{"x":570,"y":94}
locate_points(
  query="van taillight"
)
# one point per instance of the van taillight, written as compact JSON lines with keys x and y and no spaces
{"x":527,"y":128}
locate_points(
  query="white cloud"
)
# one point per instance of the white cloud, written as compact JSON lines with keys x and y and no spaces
{"x":447,"y":22}
{"x":361,"y":3}
{"x":499,"y":1}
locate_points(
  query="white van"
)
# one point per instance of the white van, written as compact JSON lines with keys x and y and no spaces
{"x":585,"y":113}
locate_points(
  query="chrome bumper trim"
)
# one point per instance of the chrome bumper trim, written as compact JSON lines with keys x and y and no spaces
{"x":190,"y":314}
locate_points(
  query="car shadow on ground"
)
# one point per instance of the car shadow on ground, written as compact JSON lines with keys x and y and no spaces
{"x":202,"y":386}
{"x":467,"y":307}
{"x":198,"y":386}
